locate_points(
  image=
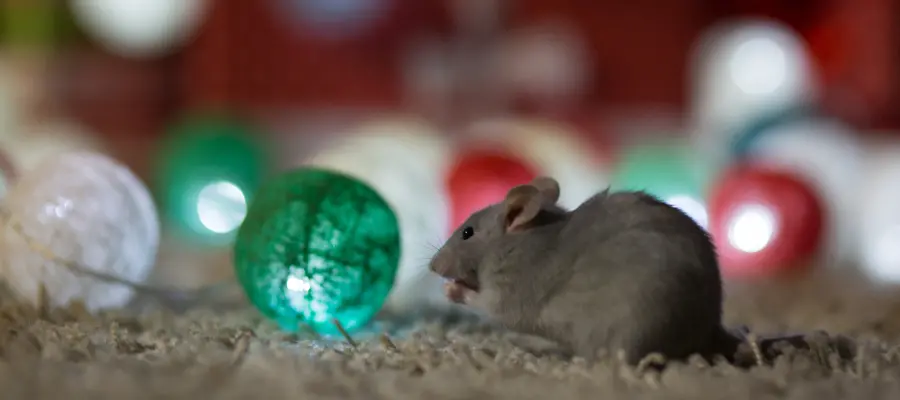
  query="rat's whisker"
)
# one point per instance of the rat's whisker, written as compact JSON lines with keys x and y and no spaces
{"x":423,"y":268}
{"x":430,"y":247}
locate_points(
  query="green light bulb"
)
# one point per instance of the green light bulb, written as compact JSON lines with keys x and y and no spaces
{"x":209,"y":168}
{"x":671,"y":171}
{"x":318,"y":245}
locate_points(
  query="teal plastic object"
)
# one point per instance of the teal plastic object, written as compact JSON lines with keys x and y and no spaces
{"x":748,"y":136}
{"x":208,"y":169}
{"x":669,"y":170}
{"x":316,"y":246}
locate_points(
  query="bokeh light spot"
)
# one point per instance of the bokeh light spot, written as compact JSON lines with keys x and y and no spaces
{"x":759,"y":66}
{"x":752,"y":228}
{"x":221,"y":207}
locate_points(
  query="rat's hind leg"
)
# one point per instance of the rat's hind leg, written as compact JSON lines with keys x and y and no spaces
{"x":676,"y":341}
{"x":590,"y":339}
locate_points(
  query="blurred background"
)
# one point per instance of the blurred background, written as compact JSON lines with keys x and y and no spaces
{"x":775,"y":124}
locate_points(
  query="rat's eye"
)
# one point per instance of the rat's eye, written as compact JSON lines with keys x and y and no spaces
{"x":467,"y":232}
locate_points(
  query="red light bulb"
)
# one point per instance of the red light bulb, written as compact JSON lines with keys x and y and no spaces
{"x":763,"y":221}
{"x":481,"y":177}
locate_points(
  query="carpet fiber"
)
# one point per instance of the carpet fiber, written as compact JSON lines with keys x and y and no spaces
{"x":200,"y":354}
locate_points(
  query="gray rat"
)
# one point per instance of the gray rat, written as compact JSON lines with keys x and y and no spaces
{"x":624,"y":271}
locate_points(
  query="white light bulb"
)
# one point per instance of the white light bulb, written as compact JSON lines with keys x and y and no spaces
{"x":743,"y":70}
{"x":33,"y":145}
{"x":140,"y":28}
{"x":404,"y":162}
{"x":86,"y":209}
{"x":879,"y":214}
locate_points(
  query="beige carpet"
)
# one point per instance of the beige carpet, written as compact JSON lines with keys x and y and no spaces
{"x":67,"y":354}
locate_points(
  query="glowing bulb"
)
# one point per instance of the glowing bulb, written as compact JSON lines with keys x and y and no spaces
{"x":316,"y":246}
{"x":744,"y":70}
{"x":764,"y":221}
{"x":830,"y":156}
{"x":86,"y":209}
{"x":403,"y":160}
{"x":221,"y":206}
{"x":208,"y":168}
{"x":139,"y":28}
{"x":759,"y":66}
{"x":752,"y":228}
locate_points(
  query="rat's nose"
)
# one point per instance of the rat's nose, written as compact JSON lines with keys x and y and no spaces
{"x":437,"y":266}
{"x":433,"y":266}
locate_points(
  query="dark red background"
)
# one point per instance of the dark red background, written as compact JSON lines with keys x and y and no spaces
{"x":247,"y":58}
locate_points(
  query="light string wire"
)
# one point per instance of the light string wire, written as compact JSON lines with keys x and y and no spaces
{"x":170,"y":297}
{"x":174,"y":298}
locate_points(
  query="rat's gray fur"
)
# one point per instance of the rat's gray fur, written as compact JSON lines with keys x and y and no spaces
{"x":623,"y":271}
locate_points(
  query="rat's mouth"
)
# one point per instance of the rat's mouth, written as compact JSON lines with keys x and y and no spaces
{"x":466,"y":283}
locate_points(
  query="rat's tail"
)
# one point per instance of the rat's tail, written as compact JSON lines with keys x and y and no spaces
{"x":726,"y":341}
{"x":745,"y":349}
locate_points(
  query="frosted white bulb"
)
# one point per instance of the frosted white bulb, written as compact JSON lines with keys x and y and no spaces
{"x":555,"y":151}
{"x":828,"y":154}
{"x":879,"y":214}
{"x":87,"y":209}
{"x":32,"y":145}
{"x":404,"y":162}
{"x":405,"y":135}
{"x":743,"y":70}
{"x":140,"y":28}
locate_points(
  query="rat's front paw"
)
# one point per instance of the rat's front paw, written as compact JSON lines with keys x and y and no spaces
{"x":457,"y":293}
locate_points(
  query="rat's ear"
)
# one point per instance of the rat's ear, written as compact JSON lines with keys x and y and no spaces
{"x":548,"y":187}
{"x":522,"y":205}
